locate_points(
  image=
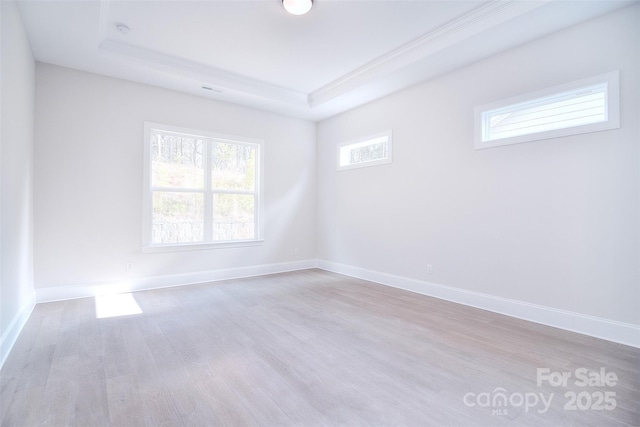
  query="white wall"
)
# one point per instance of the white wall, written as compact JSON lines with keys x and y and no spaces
{"x":88,"y":179}
{"x":553,"y":223}
{"x":17,"y":86}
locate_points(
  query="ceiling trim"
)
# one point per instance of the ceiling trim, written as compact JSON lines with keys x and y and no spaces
{"x":220,"y":81}
{"x":464,"y":27}
{"x":224,"y":82}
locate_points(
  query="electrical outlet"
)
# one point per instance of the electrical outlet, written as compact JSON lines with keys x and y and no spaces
{"x":128,"y":267}
{"x":429,"y":269}
{"x":296,"y":251}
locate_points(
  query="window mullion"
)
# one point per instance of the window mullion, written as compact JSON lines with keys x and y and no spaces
{"x":221,"y":191}
{"x":208,"y":195}
{"x":178,"y":190}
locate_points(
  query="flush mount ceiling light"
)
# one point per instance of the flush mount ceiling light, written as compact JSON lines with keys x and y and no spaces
{"x":297,"y":7}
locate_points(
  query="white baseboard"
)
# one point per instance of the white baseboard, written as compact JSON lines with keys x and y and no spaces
{"x":146,"y":283}
{"x":10,"y":336}
{"x":611,"y":330}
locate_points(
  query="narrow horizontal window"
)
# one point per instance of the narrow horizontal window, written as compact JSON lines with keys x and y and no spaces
{"x":370,"y":151}
{"x":583,"y":106}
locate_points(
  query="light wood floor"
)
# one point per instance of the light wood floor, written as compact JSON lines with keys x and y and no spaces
{"x":308,"y":348}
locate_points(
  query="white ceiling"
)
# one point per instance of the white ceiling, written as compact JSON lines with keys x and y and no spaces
{"x":251,"y":52}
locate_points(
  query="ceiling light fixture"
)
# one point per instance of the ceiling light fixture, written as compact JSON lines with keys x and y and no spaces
{"x":297,"y":7}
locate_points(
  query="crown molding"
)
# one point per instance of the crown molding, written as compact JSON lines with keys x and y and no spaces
{"x":462,"y":28}
{"x":418,"y":60}
{"x":219,"y":80}
{"x":223,"y":82}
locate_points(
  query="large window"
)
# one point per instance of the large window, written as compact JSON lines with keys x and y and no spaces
{"x":201,"y":189}
{"x":583,"y":106}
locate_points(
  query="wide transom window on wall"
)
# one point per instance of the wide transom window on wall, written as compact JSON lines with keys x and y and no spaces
{"x":370,"y":151}
{"x":201,"y":189}
{"x":582,"y":106}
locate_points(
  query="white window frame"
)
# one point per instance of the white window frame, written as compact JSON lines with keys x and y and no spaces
{"x":147,"y":209}
{"x":362,"y":141}
{"x":612,"y":111}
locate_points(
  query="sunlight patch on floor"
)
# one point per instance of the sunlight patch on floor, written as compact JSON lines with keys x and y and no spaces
{"x":116,"y":305}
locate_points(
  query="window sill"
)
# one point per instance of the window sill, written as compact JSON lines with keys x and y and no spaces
{"x":199,"y":246}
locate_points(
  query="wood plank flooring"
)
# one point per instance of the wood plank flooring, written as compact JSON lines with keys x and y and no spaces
{"x":307,"y":348}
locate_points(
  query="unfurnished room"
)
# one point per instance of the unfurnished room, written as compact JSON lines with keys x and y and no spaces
{"x":320,"y":213}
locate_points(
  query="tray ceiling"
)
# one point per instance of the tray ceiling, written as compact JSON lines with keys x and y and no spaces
{"x":336,"y":57}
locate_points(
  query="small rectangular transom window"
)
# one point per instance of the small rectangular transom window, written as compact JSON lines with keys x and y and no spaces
{"x":369,"y":151}
{"x":588,"y":105}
